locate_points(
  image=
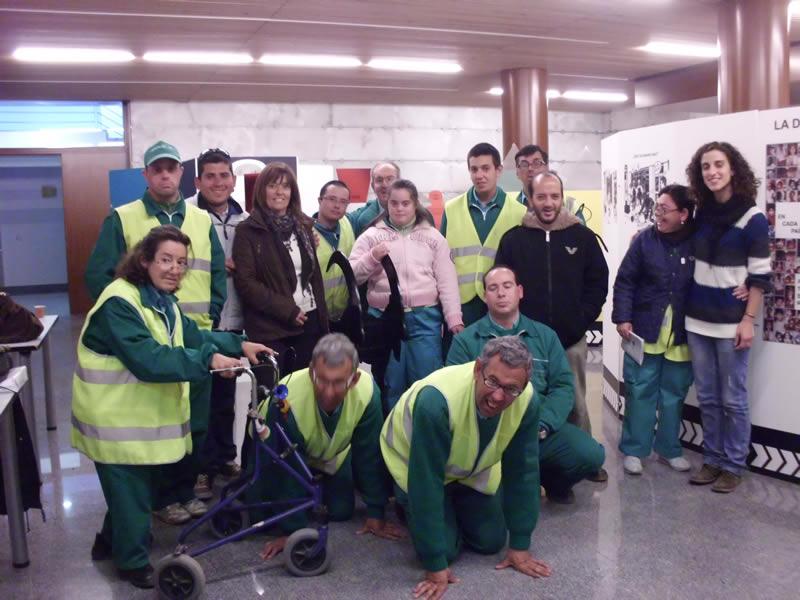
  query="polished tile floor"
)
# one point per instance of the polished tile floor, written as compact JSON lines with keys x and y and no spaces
{"x":648,"y":537}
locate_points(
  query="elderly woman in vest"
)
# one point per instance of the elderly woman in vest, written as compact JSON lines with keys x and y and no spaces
{"x":427,"y":277}
{"x":277,"y":274}
{"x":137,"y":355}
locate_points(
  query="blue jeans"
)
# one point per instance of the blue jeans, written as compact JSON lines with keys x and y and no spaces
{"x":720,"y":377}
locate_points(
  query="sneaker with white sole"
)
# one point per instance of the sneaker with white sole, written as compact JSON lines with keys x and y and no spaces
{"x":195,"y":507}
{"x":173,"y":514}
{"x":678,"y":463}
{"x":632,"y":465}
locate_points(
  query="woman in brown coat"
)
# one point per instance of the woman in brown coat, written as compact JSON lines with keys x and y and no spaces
{"x":277,"y":275}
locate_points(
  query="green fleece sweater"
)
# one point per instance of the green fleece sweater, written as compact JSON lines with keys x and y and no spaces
{"x":364,"y":215}
{"x":116,"y":328}
{"x":369,"y":473}
{"x":426,"y":466}
{"x":111,"y":247}
{"x":551,"y":376}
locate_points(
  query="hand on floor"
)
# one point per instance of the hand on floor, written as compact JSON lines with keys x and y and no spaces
{"x":435,"y":584}
{"x":273,"y":548}
{"x":523,"y":561}
{"x":382,"y":529}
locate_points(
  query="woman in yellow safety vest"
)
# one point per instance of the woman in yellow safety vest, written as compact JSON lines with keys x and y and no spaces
{"x":137,"y":354}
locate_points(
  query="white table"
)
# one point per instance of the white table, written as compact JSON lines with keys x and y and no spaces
{"x":24,"y":351}
{"x":15,"y":380}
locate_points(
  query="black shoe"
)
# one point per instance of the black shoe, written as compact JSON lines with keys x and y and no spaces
{"x":599,"y":477}
{"x":101,"y":549}
{"x":141,"y":577}
{"x":561,"y":498}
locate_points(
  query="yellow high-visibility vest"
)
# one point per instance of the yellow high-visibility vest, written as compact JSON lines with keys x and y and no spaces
{"x":323,"y":452}
{"x":457,"y":385}
{"x":194,"y":295}
{"x":118,"y":419}
{"x":336,"y":296}
{"x":472,"y":258}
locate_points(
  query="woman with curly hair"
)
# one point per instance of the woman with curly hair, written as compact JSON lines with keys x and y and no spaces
{"x":277,"y":274}
{"x":731,"y":248}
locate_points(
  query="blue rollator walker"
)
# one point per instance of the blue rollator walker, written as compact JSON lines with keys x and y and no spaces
{"x":180,"y":576}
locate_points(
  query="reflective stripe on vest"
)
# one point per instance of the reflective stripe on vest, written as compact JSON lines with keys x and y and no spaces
{"x":119,"y":419}
{"x":194,"y":295}
{"x":336,"y":296}
{"x":323,"y":452}
{"x":472,"y":258}
{"x":457,"y":385}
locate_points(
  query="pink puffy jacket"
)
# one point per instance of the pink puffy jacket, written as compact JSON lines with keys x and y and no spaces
{"x":424,"y":266}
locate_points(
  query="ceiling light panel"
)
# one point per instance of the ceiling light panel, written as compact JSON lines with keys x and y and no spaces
{"x":199,"y":58}
{"x":679,"y":49}
{"x":325,"y":61}
{"x":595,"y":96}
{"x":414,"y":65}
{"x":71,"y":55}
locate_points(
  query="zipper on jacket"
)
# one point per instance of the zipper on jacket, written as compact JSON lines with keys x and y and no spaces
{"x":170,"y":331}
{"x":549,"y":278}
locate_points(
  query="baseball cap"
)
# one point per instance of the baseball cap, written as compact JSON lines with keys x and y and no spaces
{"x":160,"y":149}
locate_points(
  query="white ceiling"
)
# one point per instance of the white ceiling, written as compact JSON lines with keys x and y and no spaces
{"x":584,"y":44}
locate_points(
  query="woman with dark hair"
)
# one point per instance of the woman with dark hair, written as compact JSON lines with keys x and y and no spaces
{"x":731,"y":248}
{"x":137,"y":355}
{"x":277,"y":274}
{"x":649,"y":295}
{"x":427,"y":277}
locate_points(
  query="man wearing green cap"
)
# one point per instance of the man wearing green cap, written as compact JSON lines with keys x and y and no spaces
{"x":201,"y":296}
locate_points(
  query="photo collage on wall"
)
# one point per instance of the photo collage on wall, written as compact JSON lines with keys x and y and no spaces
{"x":642,"y":186}
{"x":782,"y":305}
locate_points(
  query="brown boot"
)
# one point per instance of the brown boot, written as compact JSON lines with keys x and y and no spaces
{"x":708,"y":474}
{"x":726,"y":483}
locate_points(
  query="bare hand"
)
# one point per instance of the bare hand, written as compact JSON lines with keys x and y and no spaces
{"x":301,"y":318}
{"x":744,"y":334}
{"x":523,"y":561}
{"x":625,"y":330}
{"x":379,"y":251}
{"x":434,"y":585}
{"x":273,"y":548}
{"x":456,"y":329}
{"x":220,"y":361}
{"x":230,"y":266}
{"x":382,"y":529}
{"x":741,"y":292}
{"x":316,"y":238}
{"x":251,"y":350}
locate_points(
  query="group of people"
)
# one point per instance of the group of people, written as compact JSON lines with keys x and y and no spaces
{"x":502,"y":293}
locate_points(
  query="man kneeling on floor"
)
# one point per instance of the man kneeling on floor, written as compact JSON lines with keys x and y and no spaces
{"x":567,"y":454}
{"x":335,"y":418}
{"x":467,"y":421}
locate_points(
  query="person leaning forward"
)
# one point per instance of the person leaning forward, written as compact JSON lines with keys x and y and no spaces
{"x":335,"y":418}
{"x":467,"y":422}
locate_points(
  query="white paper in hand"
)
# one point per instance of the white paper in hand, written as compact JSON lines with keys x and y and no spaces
{"x":634,"y":347}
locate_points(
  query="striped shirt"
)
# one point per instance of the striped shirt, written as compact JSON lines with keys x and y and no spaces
{"x":740,"y":256}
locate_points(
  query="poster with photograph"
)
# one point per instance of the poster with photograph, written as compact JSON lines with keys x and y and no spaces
{"x":781,"y":314}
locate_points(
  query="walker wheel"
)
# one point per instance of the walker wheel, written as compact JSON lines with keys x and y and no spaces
{"x":227,"y":522}
{"x":297,"y":553}
{"x":179,"y":577}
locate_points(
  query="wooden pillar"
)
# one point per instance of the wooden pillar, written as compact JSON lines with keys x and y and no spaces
{"x":524,"y":108}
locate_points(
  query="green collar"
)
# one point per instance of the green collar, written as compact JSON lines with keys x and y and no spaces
{"x":154,"y":298}
{"x":153,"y":208}
{"x":498,"y":199}
{"x":486,"y":328}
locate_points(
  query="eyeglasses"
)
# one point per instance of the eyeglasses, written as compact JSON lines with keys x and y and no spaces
{"x":335,"y":200}
{"x":662,"y":210}
{"x":510,"y":391}
{"x":339,"y":385}
{"x":378,"y":180}
{"x":167,"y":262}
{"x":524,"y":164}
{"x":205,"y":153}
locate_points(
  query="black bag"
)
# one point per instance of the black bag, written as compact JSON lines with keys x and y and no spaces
{"x":17,"y":323}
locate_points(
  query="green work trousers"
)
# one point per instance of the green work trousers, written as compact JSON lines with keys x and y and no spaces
{"x":129,"y":491}
{"x":657,"y":386}
{"x":566,"y":457}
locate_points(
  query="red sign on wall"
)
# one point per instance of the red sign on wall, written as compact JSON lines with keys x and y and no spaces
{"x":358,"y":181}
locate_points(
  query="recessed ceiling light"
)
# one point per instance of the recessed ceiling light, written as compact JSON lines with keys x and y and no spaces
{"x":72,"y":55}
{"x":498,"y":91}
{"x":678,"y":49}
{"x":199,"y":58}
{"x":794,"y":9}
{"x":415,"y":65}
{"x":310,"y":60}
{"x":553,"y":94}
{"x":595,"y":96}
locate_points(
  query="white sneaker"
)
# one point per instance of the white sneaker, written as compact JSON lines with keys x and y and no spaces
{"x":632,"y":465}
{"x":678,"y":463}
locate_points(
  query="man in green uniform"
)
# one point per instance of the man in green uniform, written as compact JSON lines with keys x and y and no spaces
{"x":382,"y":175}
{"x":566,"y":453}
{"x":473,"y":224}
{"x":334,"y":416}
{"x":201,"y":297}
{"x":467,"y":421}
{"x":530,"y":160}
